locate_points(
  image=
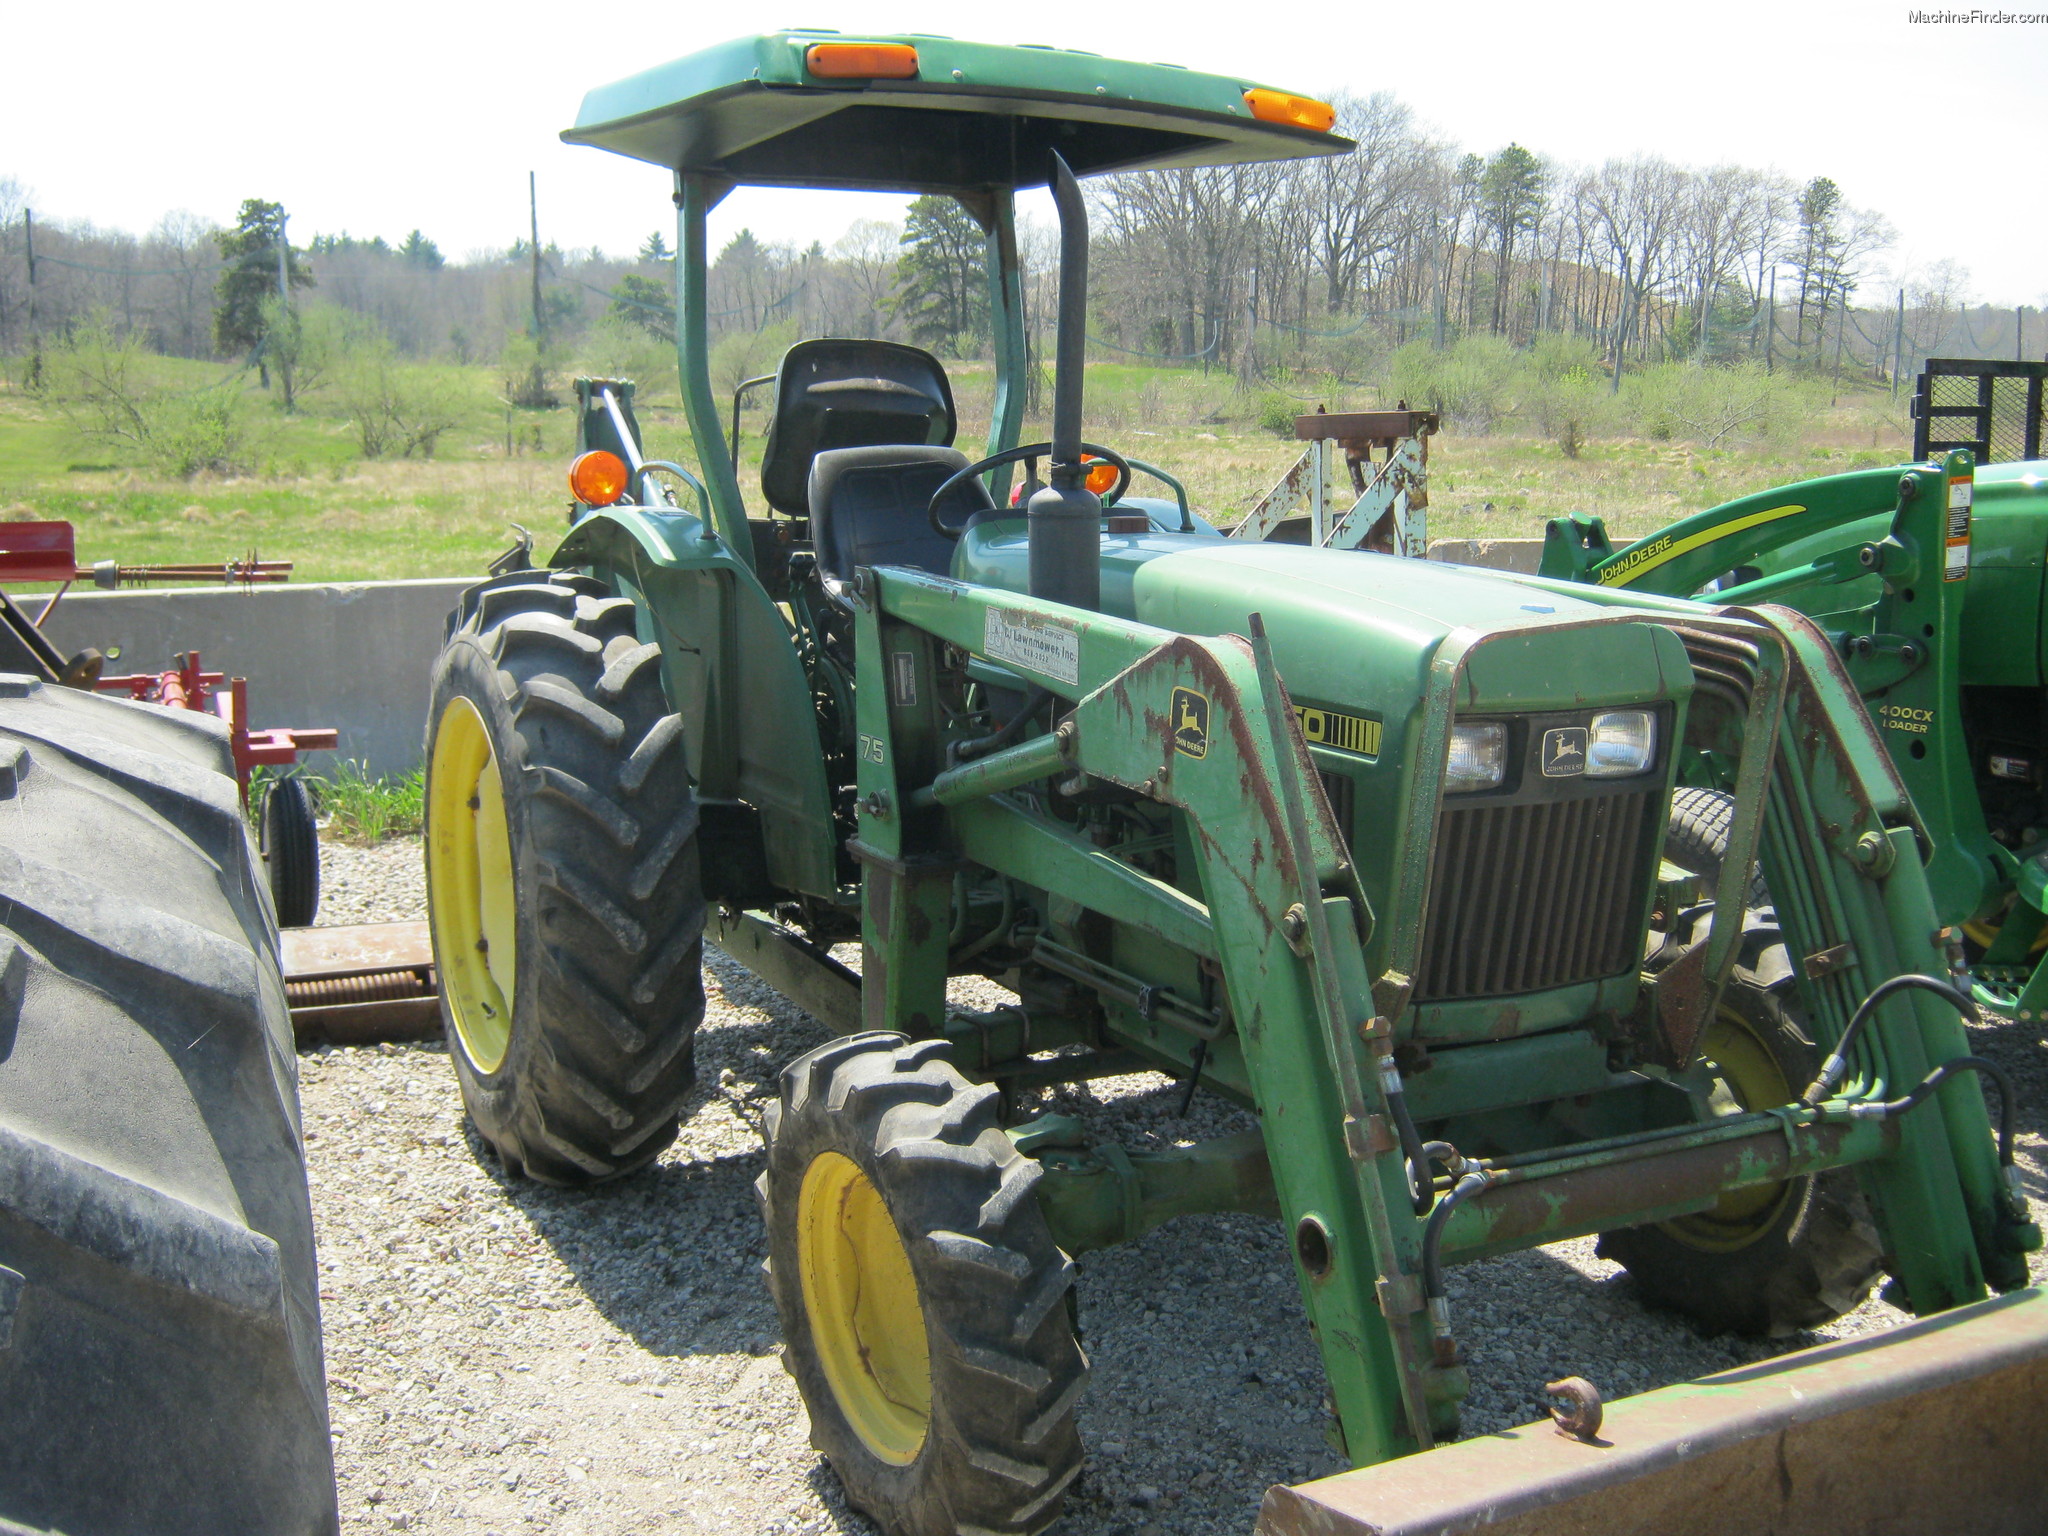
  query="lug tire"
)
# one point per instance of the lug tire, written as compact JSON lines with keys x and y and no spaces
{"x":607,"y":989}
{"x":1818,"y":1255}
{"x":1696,"y":838}
{"x":999,"y":1447}
{"x":291,"y":852}
{"x":160,"y":1359}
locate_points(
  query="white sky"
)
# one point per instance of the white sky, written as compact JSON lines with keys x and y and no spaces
{"x":377,"y":117}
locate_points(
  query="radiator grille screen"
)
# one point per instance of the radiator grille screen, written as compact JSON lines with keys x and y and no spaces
{"x":1525,"y":897}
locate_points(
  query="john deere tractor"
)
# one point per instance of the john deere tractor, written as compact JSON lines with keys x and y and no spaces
{"x":1927,"y":579}
{"x":1371,"y":849}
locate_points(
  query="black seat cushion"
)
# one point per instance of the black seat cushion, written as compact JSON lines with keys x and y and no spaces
{"x":841,"y":393}
{"x":870,"y":506}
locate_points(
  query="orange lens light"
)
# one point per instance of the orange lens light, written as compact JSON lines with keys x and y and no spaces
{"x":1294,"y":111}
{"x":597,"y":478}
{"x":861,"y":61}
{"x":1101,"y":474}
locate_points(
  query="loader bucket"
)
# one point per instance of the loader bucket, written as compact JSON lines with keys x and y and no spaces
{"x":1934,"y":1427}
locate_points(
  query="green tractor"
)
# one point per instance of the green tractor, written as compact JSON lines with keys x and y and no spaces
{"x":1374,"y":851}
{"x":1926,"y":579}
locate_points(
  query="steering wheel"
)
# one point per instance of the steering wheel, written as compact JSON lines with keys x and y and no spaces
{"x":1015,"y":455}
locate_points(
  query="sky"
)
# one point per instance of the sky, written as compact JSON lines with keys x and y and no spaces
{"x":378,"y":118}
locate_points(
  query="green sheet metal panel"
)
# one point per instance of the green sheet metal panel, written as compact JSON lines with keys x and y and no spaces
{"x":977,"y":116}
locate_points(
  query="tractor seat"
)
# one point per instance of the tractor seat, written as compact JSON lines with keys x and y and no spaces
{"x":870,"y":506}
{"x":837,"y":392}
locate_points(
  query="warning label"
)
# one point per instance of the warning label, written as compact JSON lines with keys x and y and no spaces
{"x":1956,"y":563}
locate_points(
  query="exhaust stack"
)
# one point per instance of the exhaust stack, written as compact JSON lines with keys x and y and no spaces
{"x":1064,"y":521}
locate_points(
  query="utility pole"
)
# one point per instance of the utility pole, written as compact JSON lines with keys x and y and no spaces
{"x":536,"y":386}
{"x":1771,"y":322}
{"x":281,"y":343}
{"x":2019,"y":334}
{"x":1899,"y":344}
{"x":35,"y":335}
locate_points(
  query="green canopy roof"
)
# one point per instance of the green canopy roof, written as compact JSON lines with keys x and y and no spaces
{"x":976,"y":117}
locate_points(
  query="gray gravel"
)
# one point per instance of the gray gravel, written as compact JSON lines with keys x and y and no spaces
{"x":507,"y":1358}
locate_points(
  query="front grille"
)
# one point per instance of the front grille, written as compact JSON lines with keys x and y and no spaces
{"x":1526,"y":896}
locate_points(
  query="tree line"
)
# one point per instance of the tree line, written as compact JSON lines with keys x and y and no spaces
{"x":1268,"y":271}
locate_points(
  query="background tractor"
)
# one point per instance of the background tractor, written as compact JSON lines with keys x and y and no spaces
{"x":1927,"y":580}
{"x":1373,"y":850}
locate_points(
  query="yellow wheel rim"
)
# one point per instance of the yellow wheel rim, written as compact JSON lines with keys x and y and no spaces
{"x":1746,"y":1077}
{"x":861,"y":1300}
{"x":471,"y":903}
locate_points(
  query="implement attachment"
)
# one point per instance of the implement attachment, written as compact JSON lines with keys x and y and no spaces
{"x":1934,"y":1427}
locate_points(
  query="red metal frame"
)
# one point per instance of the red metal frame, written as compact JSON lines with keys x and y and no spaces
{"x":190,"y":686}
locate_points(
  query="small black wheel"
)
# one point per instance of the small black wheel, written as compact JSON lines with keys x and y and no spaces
{"x":291,"y":851}
{"x":563,"y":887}
{"x":922,"y":1298}
{"x":1696,"y":839}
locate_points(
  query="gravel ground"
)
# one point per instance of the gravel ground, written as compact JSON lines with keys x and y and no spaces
{"x":507,"y":1358}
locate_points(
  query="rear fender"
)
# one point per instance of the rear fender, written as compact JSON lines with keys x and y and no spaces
{"x":731,"y":672}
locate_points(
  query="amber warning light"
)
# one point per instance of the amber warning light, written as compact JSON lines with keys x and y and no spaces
{"x":1294,"y":111}
{"x":597,"y":478}
{"x":861,"y":61}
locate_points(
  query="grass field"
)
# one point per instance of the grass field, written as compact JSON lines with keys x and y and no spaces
{"x":314,"y":500}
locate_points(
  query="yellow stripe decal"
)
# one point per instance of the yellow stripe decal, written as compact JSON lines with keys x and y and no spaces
{"x":1649,"y":556}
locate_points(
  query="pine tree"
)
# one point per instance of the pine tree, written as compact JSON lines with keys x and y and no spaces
{"x":250,"y":249}
{"x":418,"y":251}
{"x":941,"y":284}
{"x":1511,"y":194}
{"x":655,"y":248}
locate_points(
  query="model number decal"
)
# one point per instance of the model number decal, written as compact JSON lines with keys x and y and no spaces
{"x":872,"y":749}
{"x":1900,"y":717}
{"x":1048,"y":646}
{"x":1335,"y":728}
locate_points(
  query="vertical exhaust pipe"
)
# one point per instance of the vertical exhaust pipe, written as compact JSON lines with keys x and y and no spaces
{"x":1064,"y":521}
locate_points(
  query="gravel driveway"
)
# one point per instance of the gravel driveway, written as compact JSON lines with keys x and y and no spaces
{"x":507,"y":1358}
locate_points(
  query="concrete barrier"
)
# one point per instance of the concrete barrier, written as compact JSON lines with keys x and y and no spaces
{"x":1522,"y":555}
{"x":353,"y":655}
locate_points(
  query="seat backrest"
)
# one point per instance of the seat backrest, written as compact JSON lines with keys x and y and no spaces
{"x":840,"y":393}
{"x":872,"y":506}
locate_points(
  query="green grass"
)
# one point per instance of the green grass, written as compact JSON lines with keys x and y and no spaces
{"x":310,"y":498}
{"x":355,"y":808}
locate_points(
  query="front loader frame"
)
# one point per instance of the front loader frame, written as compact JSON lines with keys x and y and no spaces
{"x":1309,"y":1038}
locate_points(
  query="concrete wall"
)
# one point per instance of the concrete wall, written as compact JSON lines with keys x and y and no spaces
{"x":351,"y":655}
{"x":355,"y":655}
{"x":1522,"y":555}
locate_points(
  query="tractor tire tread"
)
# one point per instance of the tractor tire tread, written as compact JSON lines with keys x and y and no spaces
{"x":1006,"y":1368}
{"x":615,"y":992}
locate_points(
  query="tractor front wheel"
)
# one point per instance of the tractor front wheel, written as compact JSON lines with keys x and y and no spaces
{"x":922,"y":1298}
{"x":562,"y":878}
{"x":1770,"y":1259}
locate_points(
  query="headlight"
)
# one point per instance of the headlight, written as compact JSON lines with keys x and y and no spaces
{"x":1479,"y":757}
{"x":1621,"y":742}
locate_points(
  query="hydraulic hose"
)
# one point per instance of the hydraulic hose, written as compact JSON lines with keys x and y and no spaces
{"x":1421,"y":1186}
{"x":1469,"y":1184}
{"x":980,"y":746}
{"x":1837,"y":1063}
{"x":1886,"y":1109}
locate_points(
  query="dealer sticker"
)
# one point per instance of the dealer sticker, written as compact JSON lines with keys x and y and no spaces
{"x":1050,"y":647}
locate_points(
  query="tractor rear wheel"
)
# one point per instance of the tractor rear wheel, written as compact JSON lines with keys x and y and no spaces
{"x":160,"y":1360}
{"x":922,"y":1298}
{"x":563,"y":886}
{"x":1696,"y":839}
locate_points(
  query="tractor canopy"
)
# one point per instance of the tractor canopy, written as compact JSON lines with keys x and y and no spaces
{"x":921,"y":113}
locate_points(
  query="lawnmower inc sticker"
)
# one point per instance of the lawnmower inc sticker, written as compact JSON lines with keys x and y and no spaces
{"x":1048,"y":646}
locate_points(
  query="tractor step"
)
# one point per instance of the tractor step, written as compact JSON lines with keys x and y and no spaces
{"x":361,"y":984}
{"x":1933,"y":1427}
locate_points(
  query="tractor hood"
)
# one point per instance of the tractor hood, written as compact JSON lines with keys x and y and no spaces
{"x":1364,"y":630}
